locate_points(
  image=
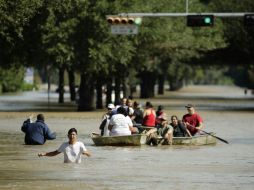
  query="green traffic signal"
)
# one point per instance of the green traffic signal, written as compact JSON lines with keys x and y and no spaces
{"x":200,"y":20}
{"x":207,"y":20}
{"x":138,"y":20}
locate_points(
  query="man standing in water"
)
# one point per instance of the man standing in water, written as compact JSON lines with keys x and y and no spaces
{"x":72,"y":150}
{"x":37,"y":133}
{"x":192,"y":120}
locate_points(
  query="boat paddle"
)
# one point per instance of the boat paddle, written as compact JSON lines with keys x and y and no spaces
{"x":223,"y":140}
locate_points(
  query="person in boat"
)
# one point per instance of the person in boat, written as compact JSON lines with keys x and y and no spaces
{"x":129,"y":103}
{"x":160,"y":114}
{"x":123,"y":103}
{"x":149,"y":115}
{"x":192,"y":120}
{"x":38,"y":132}
{"x":179,"y":129}
{"x":105,"y":120}
{"x":163,"y":130}
{"x":73,"y":149}
{"x":138,"y":113}
{"x":120,"y":124}
{"x":130,"y":113}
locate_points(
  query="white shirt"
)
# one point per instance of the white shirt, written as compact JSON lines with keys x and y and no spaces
{"x":120,"y":125}
{"x":72,"y":152}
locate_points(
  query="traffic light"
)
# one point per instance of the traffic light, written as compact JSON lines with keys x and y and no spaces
{"x":124,"y":20}
{"x":248,"y":20}
{"x":200,"y":20}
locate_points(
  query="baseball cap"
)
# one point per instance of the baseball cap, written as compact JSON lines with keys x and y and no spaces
{"x":189,"y":106}
{"x":111,"y":106}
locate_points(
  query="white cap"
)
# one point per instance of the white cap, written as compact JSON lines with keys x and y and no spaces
{"x":111,"y":106}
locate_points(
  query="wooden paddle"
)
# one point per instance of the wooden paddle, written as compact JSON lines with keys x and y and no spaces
{"x":223,"y":140}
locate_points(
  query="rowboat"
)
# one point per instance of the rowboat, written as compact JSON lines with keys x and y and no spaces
{"x":198,"y":140}
{"x":127,"y":140}
{"x":140,"y":139}
{"x":202,"y":139}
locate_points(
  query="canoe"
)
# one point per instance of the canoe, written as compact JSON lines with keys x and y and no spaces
{"x":127,"y":140}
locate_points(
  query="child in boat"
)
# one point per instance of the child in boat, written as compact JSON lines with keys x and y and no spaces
{"x":72,"y":149}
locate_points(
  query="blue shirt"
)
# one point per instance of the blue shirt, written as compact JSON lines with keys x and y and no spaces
{"x":36,"y":133}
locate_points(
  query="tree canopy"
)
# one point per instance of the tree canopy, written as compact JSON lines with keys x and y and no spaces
{"x":73,"y":35}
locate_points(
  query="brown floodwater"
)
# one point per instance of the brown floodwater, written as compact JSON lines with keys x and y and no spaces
{"x":221,"y":166}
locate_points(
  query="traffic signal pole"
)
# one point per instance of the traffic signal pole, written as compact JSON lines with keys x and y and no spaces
{"x":127,"y":23}
{"x":240,"y":14}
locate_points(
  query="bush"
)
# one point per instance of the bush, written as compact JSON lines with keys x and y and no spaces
{"x":11,"y":79}
{"x":29,"y":87}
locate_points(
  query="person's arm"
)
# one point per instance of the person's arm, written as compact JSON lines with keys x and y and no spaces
{"x":145,"y":113}
{"x":133,"y":129}
{"x":188,"y":132}
{"x":54,"y":153}
{"x":87,"y":153}
{"x":110,"y":125}
{"x":25,"y":124}
{"x":48,"y":134}
{"x":184,"y":128}
{"x":200,"y":126}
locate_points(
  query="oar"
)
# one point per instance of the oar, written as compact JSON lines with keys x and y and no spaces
{"x":223,"y":140}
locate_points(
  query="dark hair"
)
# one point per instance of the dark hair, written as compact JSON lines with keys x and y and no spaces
{"x":149,"y":104}
{"x":40,"y":117}
{"x":72,"y":130}
{"x":160,"y":107}
{"x":173,"y":117}
{"x":122,"y":110}
{"x":135,"y":104}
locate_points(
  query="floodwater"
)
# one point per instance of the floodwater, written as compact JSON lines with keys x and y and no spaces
{"x":221,"y":166}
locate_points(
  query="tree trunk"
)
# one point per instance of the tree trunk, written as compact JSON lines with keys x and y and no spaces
{"x":117,"y":91}
{"x":147,"y":84}
{"x":86,"y":93}
{"x":72,"y":84}
{"x":99,"y":104}
{"x":109,"y":92}
{"x":126,"y":87}
{"x":175,"y":85}
{"x":61,"y":85}
{"x":161,"y":80}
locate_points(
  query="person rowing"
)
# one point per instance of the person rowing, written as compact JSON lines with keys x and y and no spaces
{"x":192,"y":120}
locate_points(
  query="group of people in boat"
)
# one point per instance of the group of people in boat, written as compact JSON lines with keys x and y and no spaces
{"x":124,"y":119}
{"x":129,"y":118}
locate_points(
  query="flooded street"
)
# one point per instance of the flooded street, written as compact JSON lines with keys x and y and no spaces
{"x":225,"y":110}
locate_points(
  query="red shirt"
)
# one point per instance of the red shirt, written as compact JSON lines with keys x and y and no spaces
{"x":194,"y":120}
{"x":149,"y":120}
